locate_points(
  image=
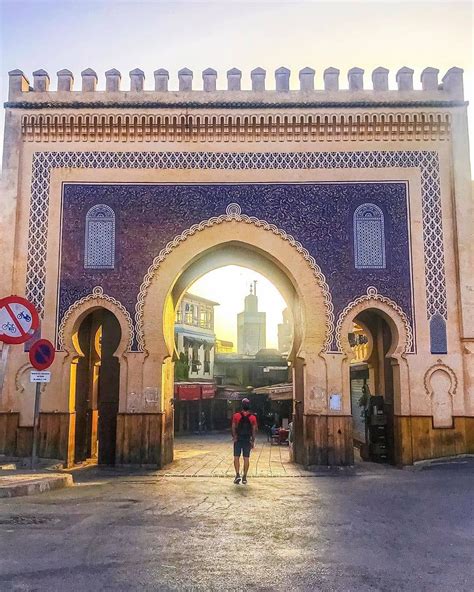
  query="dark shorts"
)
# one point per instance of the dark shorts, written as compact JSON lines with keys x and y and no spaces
{"x":242,"y":447}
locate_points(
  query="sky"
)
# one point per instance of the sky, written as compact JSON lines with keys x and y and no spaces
{"x":126,"y":34}
{"x":229,"y":286}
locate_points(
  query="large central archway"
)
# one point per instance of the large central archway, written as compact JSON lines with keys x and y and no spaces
{"x":234,"y":238}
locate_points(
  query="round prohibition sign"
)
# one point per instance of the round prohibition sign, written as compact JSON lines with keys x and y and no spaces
{"x":42,"y":354}
{"x":18,"y":320}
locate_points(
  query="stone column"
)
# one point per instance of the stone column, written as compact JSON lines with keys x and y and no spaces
{"x":9,"y":188}
{"x":112,"y":80}
{"x":258,"y":79}
{"x":137,"y":80}
{"x":380,"y":78}
{"x":40,"y":81}
{"x":209,"y":79}
{"x":185,"y":77}
{"x":234,"y":78}
{"x":89,"y":80}
{"x":65,"y":80}
{"x":282,"y":79}
{"x":306,"y":76}
{"x":331,"y":79}
{"x":464,"y":221}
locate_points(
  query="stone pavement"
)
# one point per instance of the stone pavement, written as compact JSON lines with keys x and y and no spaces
{"x":210,"y":455}
{"x":120,"y":530}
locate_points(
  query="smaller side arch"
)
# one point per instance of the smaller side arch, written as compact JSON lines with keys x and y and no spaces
{"x":440,"y":384}
{"x":76,"y":313}
{"x":89,"y":425}
{"x":395,"y":316}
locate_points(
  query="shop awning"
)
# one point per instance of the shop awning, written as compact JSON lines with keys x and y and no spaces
{"x":276,"y":392}
{"x":191,"y":391}
{"x":230,"y":395}
{"x":208,"y":391}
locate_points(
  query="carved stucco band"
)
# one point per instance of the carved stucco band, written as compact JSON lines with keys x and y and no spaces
{"x":373,"y":295}
{"x":233,"y":214}
{"x":97,"y":294}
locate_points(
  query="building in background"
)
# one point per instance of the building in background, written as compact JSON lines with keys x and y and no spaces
{"x":285,"y":333}
{"x":240,"y":375}
{"x":266,"y":367}
{"x":194,"y":370}
{"x":195,"y":337}
{"x":251,"y":325}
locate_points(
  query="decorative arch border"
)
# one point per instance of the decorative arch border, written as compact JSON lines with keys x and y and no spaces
{"x":96,"y":294}
{"x":373,"y":295}
{"x":233,"y":214}
{"x":439,"y":365}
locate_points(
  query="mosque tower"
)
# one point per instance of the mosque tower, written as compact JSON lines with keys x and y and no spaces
{"x":251,"y":325}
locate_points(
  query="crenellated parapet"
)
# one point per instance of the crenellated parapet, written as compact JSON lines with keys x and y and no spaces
{"x":319,"y":111}
{"x":312,"y":89}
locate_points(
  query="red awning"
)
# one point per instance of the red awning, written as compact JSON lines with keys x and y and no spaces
{"x":194,"y":392}
{"x":208,"y":391}
{"x":188,"y":392}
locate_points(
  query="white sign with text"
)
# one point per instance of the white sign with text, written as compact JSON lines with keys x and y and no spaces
{"x":40,"y":376}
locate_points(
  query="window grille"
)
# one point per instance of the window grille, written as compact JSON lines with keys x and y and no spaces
{"x":369,"y":237}
{"x":100,"y":238}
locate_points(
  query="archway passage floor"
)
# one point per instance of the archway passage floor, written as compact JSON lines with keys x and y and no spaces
{"x":211,"y":455}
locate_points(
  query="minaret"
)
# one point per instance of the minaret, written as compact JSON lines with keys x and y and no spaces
{"x":285,"y":333}
{"x":251,"y":325}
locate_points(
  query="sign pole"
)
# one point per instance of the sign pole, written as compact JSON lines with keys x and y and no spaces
{"x":35,"y":424}
{"x":3,"y":365}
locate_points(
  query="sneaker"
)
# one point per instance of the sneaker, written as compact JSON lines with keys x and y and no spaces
{"x":237,"y":479}
{"x":244,"y":481}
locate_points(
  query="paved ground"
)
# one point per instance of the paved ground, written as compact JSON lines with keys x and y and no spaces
{"x":380,"y":530}
{"x":210,"y":455}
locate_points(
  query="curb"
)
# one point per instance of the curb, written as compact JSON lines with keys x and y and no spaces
{"x":34,"y":485}
{"x":8,"y":467}
{"x":441,"y":460}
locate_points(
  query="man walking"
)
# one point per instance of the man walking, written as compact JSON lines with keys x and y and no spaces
{"x":244,"y":429}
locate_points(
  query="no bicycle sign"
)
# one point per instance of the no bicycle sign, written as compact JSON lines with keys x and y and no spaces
{"x":18,"y":320}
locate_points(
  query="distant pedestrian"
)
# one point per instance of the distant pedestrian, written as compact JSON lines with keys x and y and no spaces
{"x":244,"y":430}
{"x":203,"y":423}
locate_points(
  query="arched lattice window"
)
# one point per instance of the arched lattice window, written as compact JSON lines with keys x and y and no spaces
{"x":369,"y":237}
{"x":99,"y":252}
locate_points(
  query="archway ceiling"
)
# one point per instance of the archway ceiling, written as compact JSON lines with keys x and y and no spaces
{"x":234,"y":253}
